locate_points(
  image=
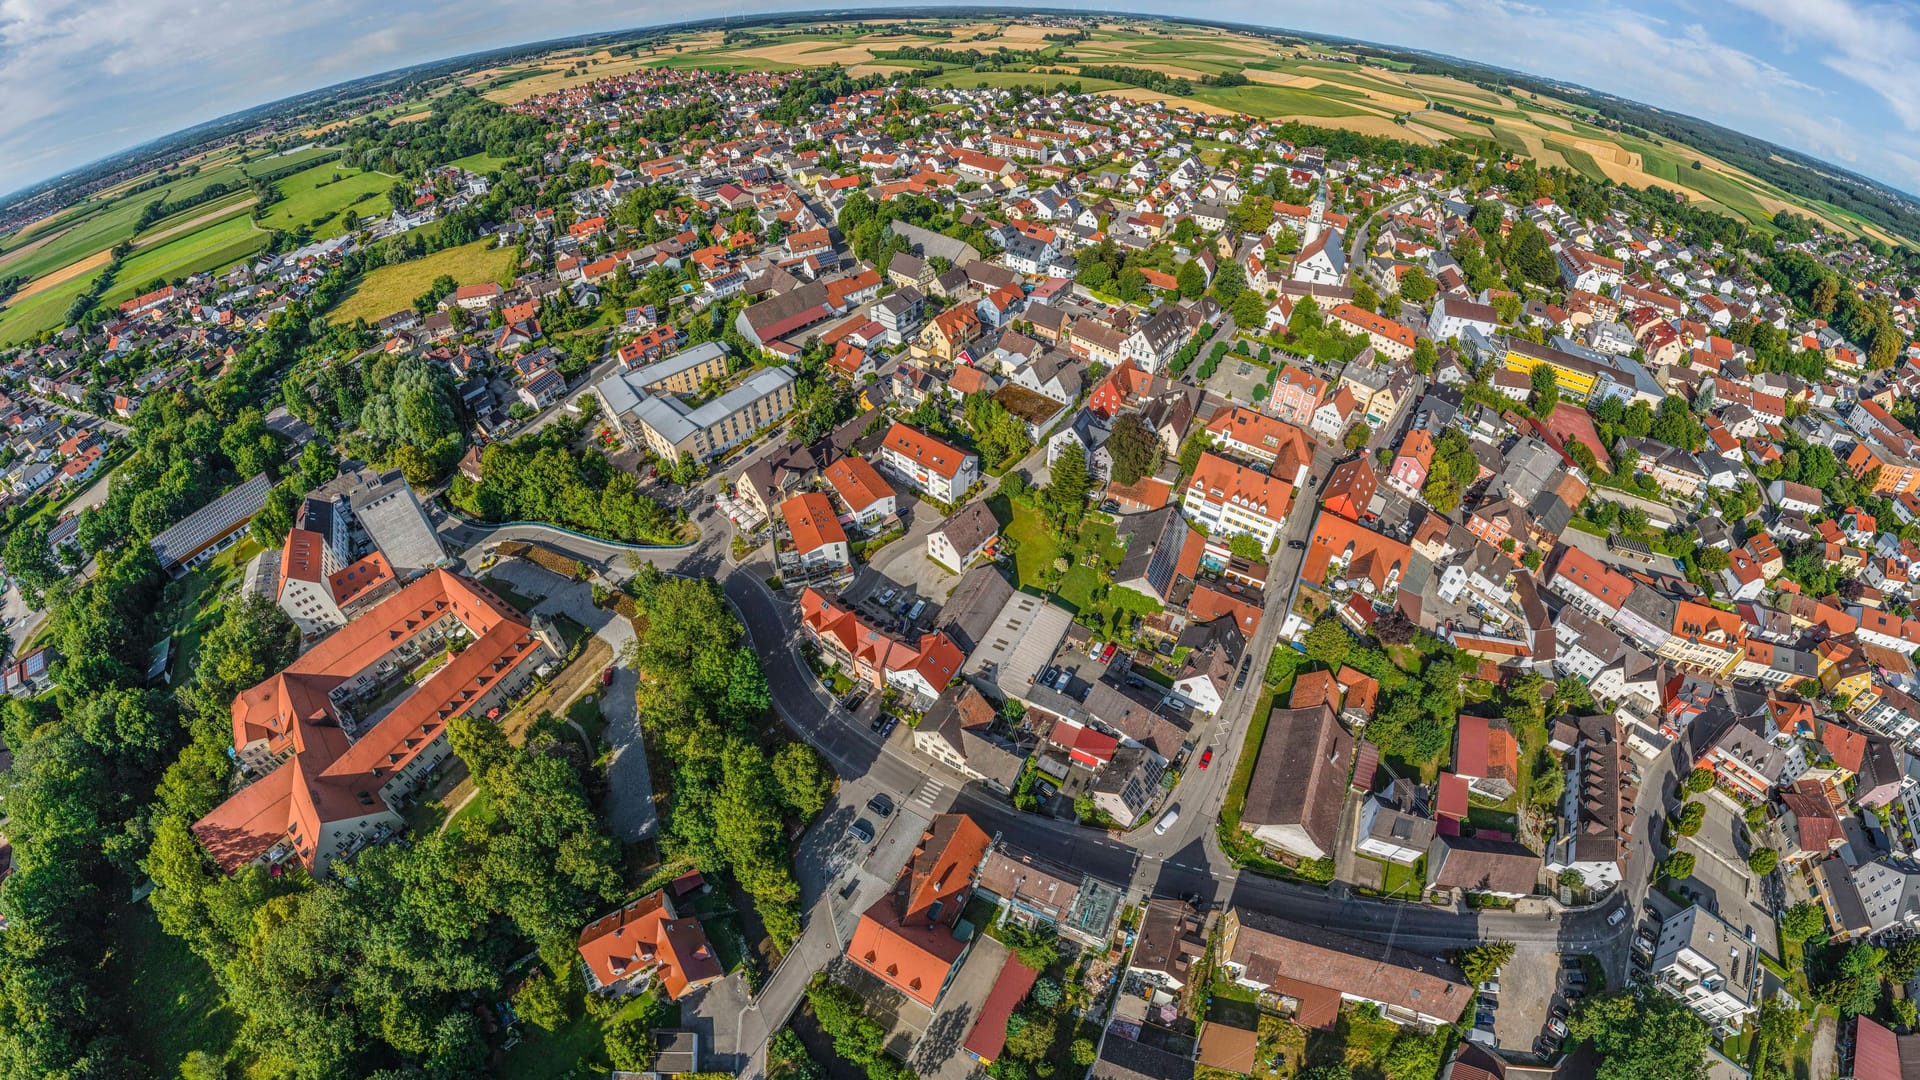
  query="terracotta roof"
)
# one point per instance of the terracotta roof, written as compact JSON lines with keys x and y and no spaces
{"x":326,"y":778}
{"x":923,"y":449}
{"x":858,"y":483}
{"x":812,"y":522}
{"x":906,"y":938}
{"x":1219,"y":480}
{"x":645,"y":935}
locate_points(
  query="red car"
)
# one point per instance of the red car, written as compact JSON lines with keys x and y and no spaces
{"x":1206,"y":759}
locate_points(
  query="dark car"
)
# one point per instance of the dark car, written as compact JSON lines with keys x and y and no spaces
{"x":878,"y":722}
{"x":1297,"y":545}
{"x":854,"y":701}
{"x":1245,"y":666}
{"x":861,"y":830}
{"x":881,"y":805}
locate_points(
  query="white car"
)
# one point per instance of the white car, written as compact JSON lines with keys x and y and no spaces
{"x":1619,"y":915}
{"x":1166,"y":821}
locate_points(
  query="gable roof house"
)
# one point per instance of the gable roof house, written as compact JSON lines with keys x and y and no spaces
{"x":1298,"y":788}
{"x":1319,"y":970}
{"x":907,"y":939}
{"x":646,"y":940}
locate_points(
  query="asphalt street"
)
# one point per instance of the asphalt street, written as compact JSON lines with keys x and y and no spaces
{"x":1187,"y":861}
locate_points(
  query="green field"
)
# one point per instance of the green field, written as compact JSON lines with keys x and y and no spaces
{"x":1281,"y":101}
{"x":315,"y":199}
{"x":276,"y":162}
{"x":482,"y":163}
{"x":391,"y":288}
{"x":215,"y":247}
{"x":1579,"y":160}
{"x":193,"y":213}
{"x":100,"y":226}
{"x":971,"y":79}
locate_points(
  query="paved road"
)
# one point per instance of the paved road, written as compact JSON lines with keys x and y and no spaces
{"x":1185,"y":861}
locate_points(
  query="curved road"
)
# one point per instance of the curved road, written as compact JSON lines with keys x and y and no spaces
{"x":1187,"y":861}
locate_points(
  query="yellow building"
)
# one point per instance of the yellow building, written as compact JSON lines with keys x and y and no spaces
{"x":1576,"y":377}
{"x":1852,"y":677}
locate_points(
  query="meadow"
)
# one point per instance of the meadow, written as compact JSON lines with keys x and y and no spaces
{"x":391,"y":288}
{"x":319,"y":198}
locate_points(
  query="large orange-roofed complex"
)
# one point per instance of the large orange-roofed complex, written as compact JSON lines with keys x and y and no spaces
{"x":330,"y":779}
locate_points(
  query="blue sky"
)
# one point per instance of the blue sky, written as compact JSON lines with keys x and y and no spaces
{"x":81,"y":79}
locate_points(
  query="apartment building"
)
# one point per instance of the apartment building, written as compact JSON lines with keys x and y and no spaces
{"x":934,"y":468}
{"x":1702,"y":960}
{"x":324,"y":788}
{"x":670,"y":428}
{"x":1233,"y":500}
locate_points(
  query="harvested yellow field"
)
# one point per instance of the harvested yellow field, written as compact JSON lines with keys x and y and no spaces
{"x":600,"y":65}
{"x":411,"y":118}
{"x":1135,"y":93}
{"x":66,"y":273}
{"x":1281,"y":78}
{"x":802,"y":53}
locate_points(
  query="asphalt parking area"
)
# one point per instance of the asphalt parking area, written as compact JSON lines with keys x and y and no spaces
{"x":1721,"y":881}
{"x":1529,"y":988}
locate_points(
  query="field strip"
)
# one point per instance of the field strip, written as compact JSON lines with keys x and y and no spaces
{"x":66,"y":273}
{"x":21,"y":252}
{"x":188,"y":226}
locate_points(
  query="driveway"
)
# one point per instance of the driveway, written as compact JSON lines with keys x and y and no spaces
{"x":630,"y":812}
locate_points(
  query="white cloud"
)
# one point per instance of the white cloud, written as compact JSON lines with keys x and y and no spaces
{"x":81,"y":79}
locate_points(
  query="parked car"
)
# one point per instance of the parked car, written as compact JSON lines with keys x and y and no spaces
{"x":887,"y":597}
{"x":1489,"y":1003}
{"x":861,"y":830}
{"x":1240,"y":681}
{"x":1619,"y":914}
{"x":1206,"y":759}
{"x":1297,"y":545}
{"x":1166,"y":821}
{"x":892,"y":721}
{"x":881,"y":805}
{"x":1484,"y":1020}
{"x":1491,"y":986}
{"x":854,"y":701}
{"x":878,"y":723}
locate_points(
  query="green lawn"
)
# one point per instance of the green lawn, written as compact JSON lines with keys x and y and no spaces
{"x":167,"y":1002}
{"x":481,"y":163}
{"x":478,"y":813}
{"x":1034,"y":549}
{"x":577,"y":1048}
{"x":317,"y":198}
{"x":195,"y":599}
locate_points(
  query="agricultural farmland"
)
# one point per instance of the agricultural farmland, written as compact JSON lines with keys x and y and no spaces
{"x":390,"y":288}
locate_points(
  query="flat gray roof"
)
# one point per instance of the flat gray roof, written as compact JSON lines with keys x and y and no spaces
{"x":211,"y":522}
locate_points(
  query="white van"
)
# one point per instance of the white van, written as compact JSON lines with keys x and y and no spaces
{"x":1166,"y":821}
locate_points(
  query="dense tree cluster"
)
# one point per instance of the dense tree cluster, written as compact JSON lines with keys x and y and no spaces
{"x":704,"y":700}
{"x":540,"y":477}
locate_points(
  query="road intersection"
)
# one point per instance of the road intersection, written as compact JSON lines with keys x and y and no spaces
{"x":1186,"y":862}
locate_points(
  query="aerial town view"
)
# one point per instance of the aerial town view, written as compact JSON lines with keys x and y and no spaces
{"x":960,"y":542}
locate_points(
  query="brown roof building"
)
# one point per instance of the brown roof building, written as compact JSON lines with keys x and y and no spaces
{"x":1299,"y":782}
{"x":1318,"y":969}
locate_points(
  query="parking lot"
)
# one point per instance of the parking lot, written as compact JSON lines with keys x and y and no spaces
{"x":1721,"y":882}
{"x":1534,"y":987}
